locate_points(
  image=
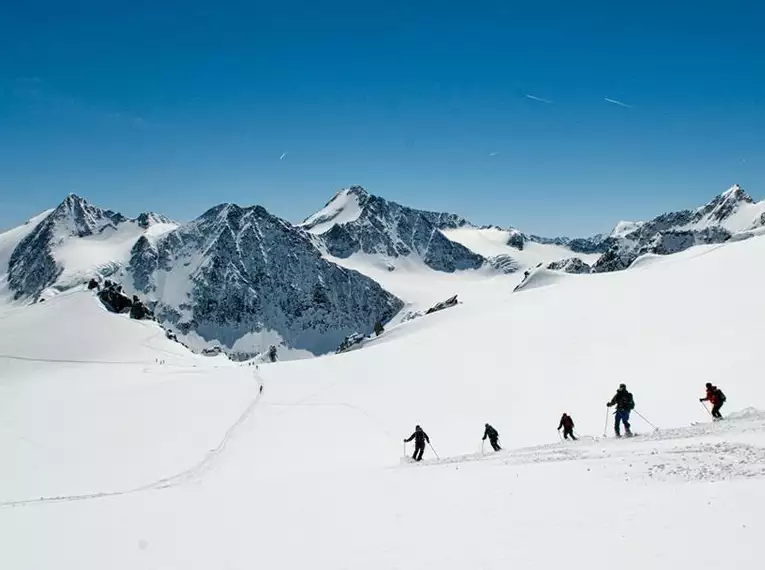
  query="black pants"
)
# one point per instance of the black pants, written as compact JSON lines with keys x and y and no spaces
{"x":716,"y":410}
{"x":418,"y":451}
{"x":568,"y":432}
{"x":494,"y":444}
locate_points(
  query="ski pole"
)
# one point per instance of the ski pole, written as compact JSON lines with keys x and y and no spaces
{"x":605,"y":426}
{"x":482,"y":442}
{"x":434,"y":451}
{"x":646,"y":421}
{"x":560,"y":437}
{"x":703,"y":405}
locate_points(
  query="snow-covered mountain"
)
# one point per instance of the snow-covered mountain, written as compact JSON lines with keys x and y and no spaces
{"x":245,"y":279}
{"x":72,"y":243}
{"x":236,"y":277}
{"x":733,"y":215}
{"x":355,"y":221}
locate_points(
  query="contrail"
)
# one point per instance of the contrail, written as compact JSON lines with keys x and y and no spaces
{"x":535,"y":98}
{"x":283,"y":156}
{"x":615,"y":102}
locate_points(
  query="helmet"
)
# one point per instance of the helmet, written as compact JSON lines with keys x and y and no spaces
{"x":709,"y":384}
{"x":417,"y":427}
{"x":622,"y":386}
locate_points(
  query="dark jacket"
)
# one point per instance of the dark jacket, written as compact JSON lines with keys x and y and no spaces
{"x":622,"y":400}
{"x":715,"y":396}
{"x":491,"y":433}
{"x":566,"y":422}
{"x":419,"y":437}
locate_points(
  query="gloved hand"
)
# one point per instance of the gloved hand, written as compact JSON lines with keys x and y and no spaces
{"x":609,"y":404}
{"x":701,"y":399}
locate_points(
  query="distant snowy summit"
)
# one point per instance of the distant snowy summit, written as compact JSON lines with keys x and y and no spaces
{"x":732,"y":215}
{"x":52,"y":252}
{"x":355,"y":221}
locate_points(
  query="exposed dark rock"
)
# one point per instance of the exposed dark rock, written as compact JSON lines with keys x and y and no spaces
{"x":450,"y":302}
{"x":570,"y":265}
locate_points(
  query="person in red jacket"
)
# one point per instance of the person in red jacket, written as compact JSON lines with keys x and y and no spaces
{"x":567,"y":423}
{"x":715,"y":397}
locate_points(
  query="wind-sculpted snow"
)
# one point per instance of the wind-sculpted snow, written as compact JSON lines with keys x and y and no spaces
{"x":235,"y":271}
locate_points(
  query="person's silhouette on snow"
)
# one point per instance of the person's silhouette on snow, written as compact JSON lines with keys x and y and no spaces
{"x":419,"y":437}
{"x":567,"y":423}
{"x":716,"y":397}
{"x":624,"y":403}
{"x":493,"y":436}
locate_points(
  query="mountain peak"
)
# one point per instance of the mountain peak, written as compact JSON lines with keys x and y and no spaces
{"x":147,"y":219}
{"x":736,"y":193}
{"x":344,"y":207}
{"x":76,"y":216}
{"x":357,"y":191}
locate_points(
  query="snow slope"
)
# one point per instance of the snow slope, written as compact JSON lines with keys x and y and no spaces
{"x":310,"y":475}
{"x":490,"y":242}
{"x":82,"y":258}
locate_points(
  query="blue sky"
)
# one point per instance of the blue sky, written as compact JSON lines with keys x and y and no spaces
{"x":175,"y":107}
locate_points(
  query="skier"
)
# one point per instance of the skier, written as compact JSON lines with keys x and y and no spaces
{"x":493,"y":435}
{"x":419,"y":437}
{"x":624,"y":405}
{"x":567,"y":423}
{"x":716,"y":397}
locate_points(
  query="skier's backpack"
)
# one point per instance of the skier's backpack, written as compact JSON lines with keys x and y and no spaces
{"x":720,"y":396}
{"x":631,"y":404}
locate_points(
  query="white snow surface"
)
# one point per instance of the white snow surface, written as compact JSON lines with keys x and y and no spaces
{"x":103,"y":253}
{"x":115,"y":460}
{"x":342,"y":209}
{"x":490,"y":242}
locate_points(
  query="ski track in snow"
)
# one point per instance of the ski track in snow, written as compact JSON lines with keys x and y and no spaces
{"x":175,"y":480}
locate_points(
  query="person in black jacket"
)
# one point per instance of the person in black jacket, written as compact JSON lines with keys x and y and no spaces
{"x":567,"y":423}
{"x":419,"y":437}
{"x":493,"y":436}
{"x":624,"y":403}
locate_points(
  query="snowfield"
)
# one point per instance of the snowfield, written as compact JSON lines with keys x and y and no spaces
{"x":493,"y":241}
{"x":124,"y":451}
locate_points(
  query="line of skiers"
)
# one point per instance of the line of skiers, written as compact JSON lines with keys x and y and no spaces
{"x":623,"y":400}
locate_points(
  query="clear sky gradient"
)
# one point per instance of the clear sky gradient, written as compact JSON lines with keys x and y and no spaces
{"x":177,"y":106}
